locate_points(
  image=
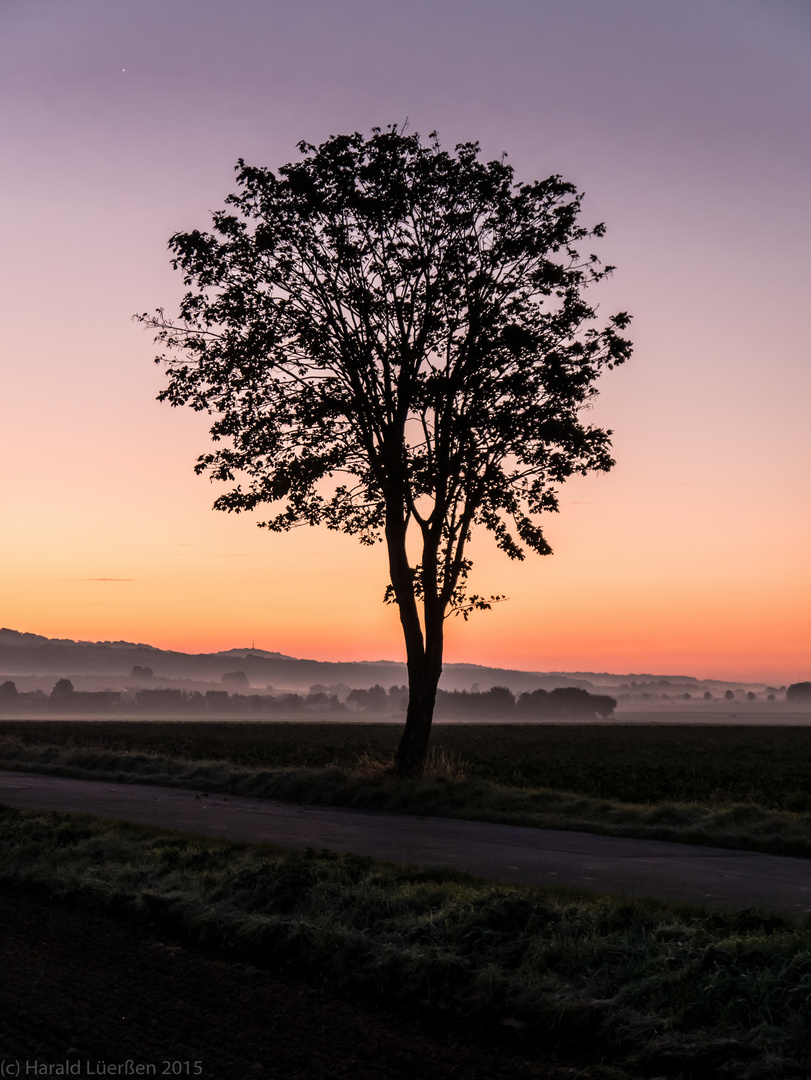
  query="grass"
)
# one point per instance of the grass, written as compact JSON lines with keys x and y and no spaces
{"x":656,"y":989}
{"x":743,"y":787}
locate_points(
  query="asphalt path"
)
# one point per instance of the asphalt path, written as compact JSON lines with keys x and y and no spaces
{"x":715,"y":877}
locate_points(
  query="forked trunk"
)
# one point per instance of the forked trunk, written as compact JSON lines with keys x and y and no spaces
{"x":423,"y":652}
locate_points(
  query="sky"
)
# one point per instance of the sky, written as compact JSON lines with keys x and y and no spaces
{"x":686,"y":124}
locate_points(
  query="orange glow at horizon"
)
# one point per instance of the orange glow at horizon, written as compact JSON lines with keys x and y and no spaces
{"x":318,"y":595}
{"x":649,"y":574}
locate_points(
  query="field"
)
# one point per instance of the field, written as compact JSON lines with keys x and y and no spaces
{"x":585,"y":986}
{"x":736,"y":786}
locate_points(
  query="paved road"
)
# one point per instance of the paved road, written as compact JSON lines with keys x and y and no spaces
{"x":712,"y":876}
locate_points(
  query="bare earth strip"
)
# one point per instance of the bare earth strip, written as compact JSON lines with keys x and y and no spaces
{"x":679,"y":872}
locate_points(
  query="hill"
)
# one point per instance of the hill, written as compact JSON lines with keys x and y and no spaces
{"x":23,"y":654}
{"x":41,"y":659}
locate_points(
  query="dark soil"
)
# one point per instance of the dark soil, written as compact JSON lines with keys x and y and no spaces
{"x":81,"y":994}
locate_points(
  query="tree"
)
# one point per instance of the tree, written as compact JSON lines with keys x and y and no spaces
{"x":394,"y":340}
{"x":800,"y":691}
{"x":236,"y":679}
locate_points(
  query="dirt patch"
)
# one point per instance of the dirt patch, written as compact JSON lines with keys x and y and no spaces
{"x":85,"y":992}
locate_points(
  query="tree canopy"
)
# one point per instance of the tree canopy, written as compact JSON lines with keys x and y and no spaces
{"x":395,"y":339}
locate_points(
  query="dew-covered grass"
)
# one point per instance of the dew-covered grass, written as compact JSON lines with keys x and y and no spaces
{"x":655,"y":988}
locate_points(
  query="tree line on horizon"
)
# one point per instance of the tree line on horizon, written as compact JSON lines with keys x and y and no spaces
{"x":498,"y":702}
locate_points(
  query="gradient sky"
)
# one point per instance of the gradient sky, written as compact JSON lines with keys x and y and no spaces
{"x":686,"y":122}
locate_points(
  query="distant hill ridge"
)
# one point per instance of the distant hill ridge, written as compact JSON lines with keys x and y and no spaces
{"x":33,"y":654}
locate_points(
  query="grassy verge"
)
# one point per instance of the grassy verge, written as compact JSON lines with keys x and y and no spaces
{"x":653,"y":988}
{"x":742,"y":788}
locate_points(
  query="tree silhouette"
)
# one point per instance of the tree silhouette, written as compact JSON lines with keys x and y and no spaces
{"x":235,"y":679}
{"x":393,"y":340}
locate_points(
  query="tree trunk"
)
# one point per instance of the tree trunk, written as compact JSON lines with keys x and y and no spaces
{"x":423,"y":653}
{"x":423,"y":678}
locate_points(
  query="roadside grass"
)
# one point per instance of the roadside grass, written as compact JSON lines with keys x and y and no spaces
{"x":741,"y":787}
{"x":652,"y":987}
